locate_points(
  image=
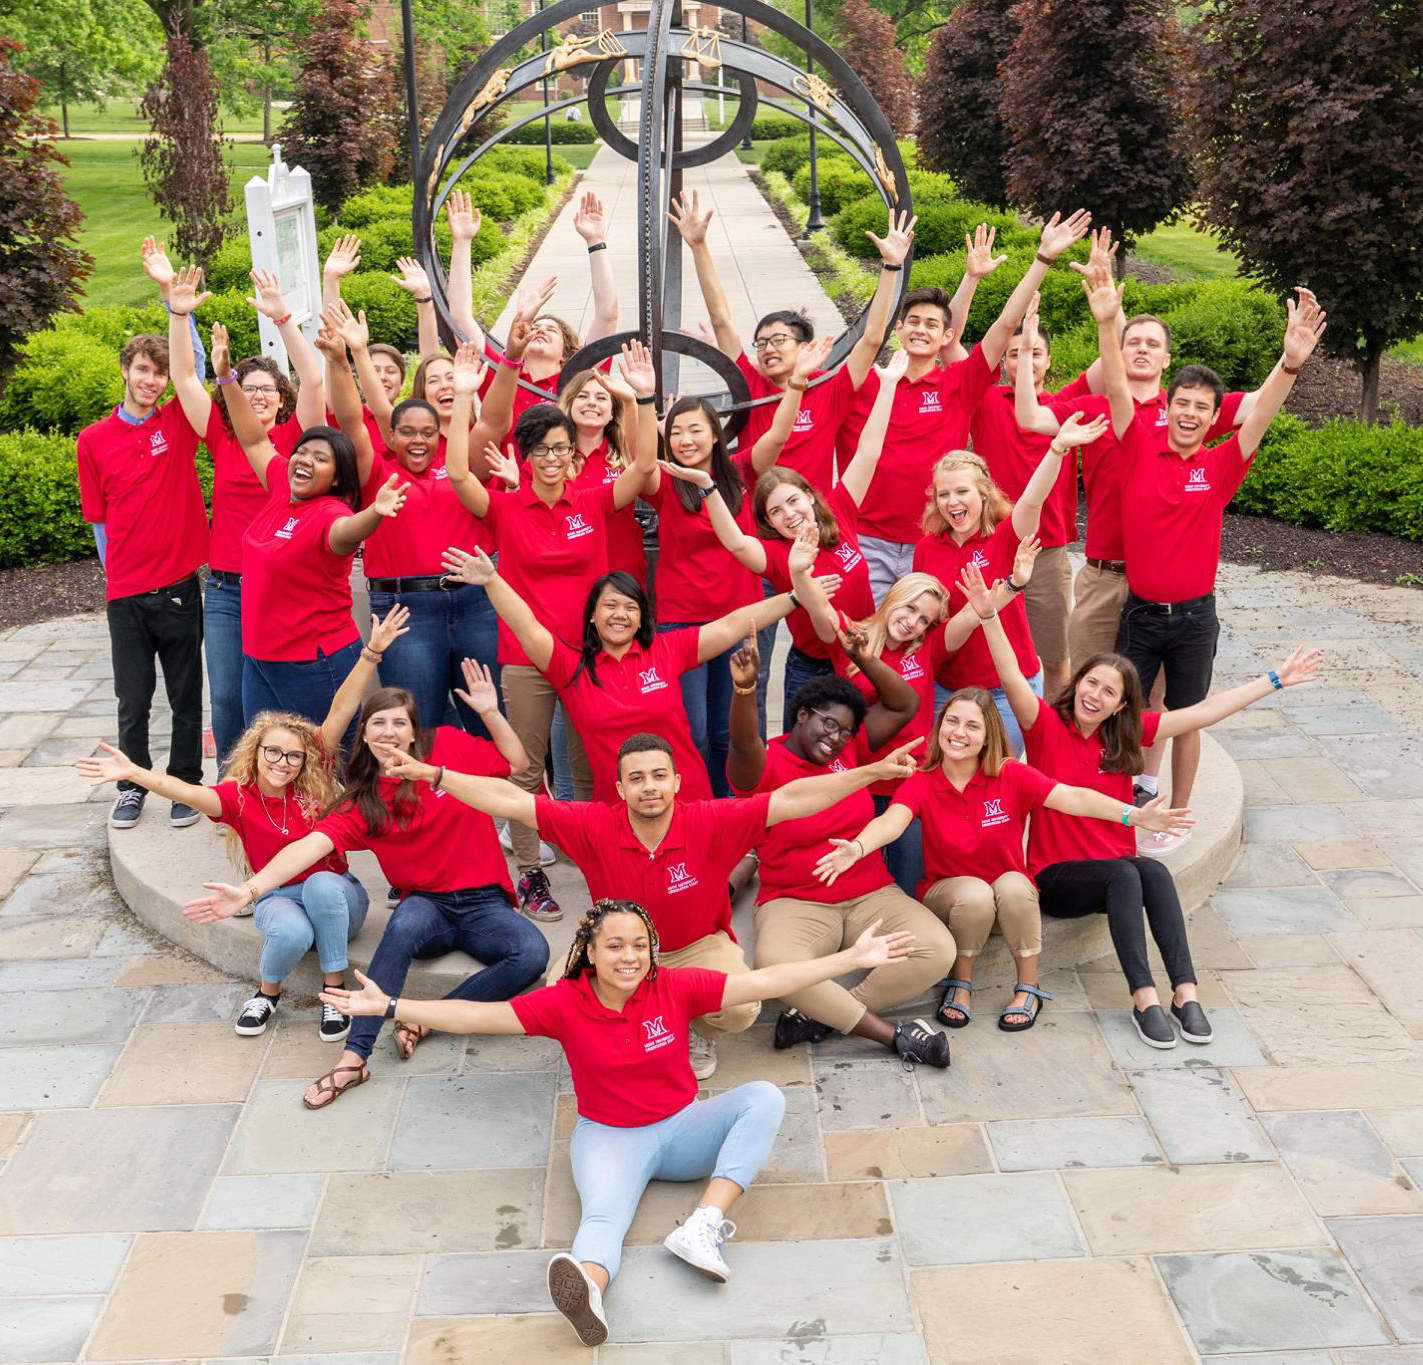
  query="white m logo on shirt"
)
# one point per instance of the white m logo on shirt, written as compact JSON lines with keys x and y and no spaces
{"x":994,"y":807}
{"x":654,"y":1028}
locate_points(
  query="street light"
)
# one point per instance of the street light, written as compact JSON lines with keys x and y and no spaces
{"x":412,"y":94}
{"x":548,"y":128}
{"x":746,"y":137}
{"x":813,"y":222}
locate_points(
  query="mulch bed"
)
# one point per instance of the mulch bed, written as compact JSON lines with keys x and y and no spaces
{"x":50,"y":590}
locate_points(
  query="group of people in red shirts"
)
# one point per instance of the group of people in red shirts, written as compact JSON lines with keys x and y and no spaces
{"x":965,"y":742}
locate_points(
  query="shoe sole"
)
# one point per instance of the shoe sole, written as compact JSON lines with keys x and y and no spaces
{"x":543,"y":917}
{"x":1152,"y":1042}
{"x":185,"y":822}
{"x":334,"y":1037}
{"x":705,"y":1074}
{"x":249,"y":1031}
{"x":720,"y":1276}
{"x":122,"y":824}
{"x":1200,"y":1039}
{"x":1152,"y":853}
{"x":569,"y":1292}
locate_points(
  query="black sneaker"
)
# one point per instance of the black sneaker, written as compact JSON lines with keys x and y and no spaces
{"x":255,"y":1016}
{"x":1154,"y":1028}
{"x":535,"y":897}
{"x":917,"y":1043}
{"x":1140,"y":796}
{"x":1195,"y":1027}
{"x":128,"y":808}
{"x":393,"y":895}
{"x":183,"y":815}
{"x":334,"y":1025}
{"x":794,"y":1027}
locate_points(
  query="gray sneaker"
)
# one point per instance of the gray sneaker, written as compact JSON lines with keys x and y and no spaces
{"x":128,"y":808}
{"x":182,"y":815}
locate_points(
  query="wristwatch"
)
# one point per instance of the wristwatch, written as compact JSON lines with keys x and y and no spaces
{"x":390,"y":1006}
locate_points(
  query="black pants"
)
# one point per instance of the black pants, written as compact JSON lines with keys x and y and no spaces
{"x":166,"y":625}
{"x":1121,"y":888}
{"x":1181,"y":641}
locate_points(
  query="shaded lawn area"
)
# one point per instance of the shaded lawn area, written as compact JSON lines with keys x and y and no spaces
{"x":122,"y":116}
{"x":1193,"y":254}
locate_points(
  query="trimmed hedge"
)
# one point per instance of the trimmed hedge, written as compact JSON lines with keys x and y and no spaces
{"x":561,"y":132}
{"x":939,"y":231}
{"x":841,"y":182}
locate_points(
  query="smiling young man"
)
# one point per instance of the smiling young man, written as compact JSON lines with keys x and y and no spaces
{"x":137,"y":479}
{"x":1175,"y":490}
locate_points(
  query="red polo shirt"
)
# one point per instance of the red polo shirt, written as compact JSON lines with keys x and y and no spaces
{"x":1063,"y":753}
{"x":971,"y":665}
{"x":630,"y":1066}
{"x":550,"y":556}
{"x":523,"y":398}
{"x":697,"y":578}
{"x":854,"y":597}
{"x":625,"y":548}
{"x":810,"y":448}
{"x":259,"y":821}
{"x":917,"y":669}
{"x":1174,"y":509}
{"x":638,"y":694}
{"x":930,"y":417}
{"x":446,"y":845}
{"x":296,"y":590}
{"x":1013,"y":456}
{"x":682,"y":882}
{"x":237,"y":493}
{"x":789,"y":852}
{"x":411,"y":545}
{"x":140,"y":483}
{"x":977,"y":832}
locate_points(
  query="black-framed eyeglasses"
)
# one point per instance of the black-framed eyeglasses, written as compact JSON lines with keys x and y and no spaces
{"x":268,"y":389}
{"x":776,"y":340}
{"x":558,"y":451}
{"x":293,"y":758}
{"x":832,"y":727}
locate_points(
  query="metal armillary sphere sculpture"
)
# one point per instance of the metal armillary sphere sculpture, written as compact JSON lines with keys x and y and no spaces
{"x":836,"y":105}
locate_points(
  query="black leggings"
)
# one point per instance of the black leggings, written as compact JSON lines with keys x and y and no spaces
{"x":1121,"y":888}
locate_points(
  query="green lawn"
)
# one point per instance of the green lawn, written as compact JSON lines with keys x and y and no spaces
{"x":1186,"y":250}
{"x":122,"y":116}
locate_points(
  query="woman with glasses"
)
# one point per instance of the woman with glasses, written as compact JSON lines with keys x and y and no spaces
{"x":279,"y":782}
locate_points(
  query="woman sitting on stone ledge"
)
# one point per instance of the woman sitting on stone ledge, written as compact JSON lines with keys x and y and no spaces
{"x":1093,"y":735}
{"x":279,"y":781}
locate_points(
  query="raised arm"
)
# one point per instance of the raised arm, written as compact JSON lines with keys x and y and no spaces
{"x":768,"y":446}
{"x":1301,"y":667}
{"x":114,"y":766}
{"x":640,"y":426}
{"x":347,"y":701}
{"x":344,"y":258}
{"x":464,"y":220}
{"x":881,"y":831}
{"x":444,"y":1016}
{"x":346,"y":534}
{"x":1021,"y":697}
{"x":183,"y":301}
{"x":590,"y":223}
{"x":1076,"y":431}
{"x":861,"y":469}
{"x":716,"y":637}
{"x":416,"y":283}
{"x":746,"y":753}
{"x":534,"y":638}
{"x":482,"y":697}
{"x":494,"y":796}
{"x":496,"y":412}
{"x":1028,"y":412}
{"x":337,"y":324}
{"x":749,"y":551}
{"x":1087,"y":804}
{"x":1057,"y":236}
{"x":227,"y":900}
{"x":979,"y":263}
{"x":246,"y":425}
{"x":897,"y":702}
{"x":469,"y":489}
{"x":1103,"y":253}
{"x":356,"y":335}
{"x":634,"y":479}
{"x":870,"y":950}
{"x":1303,"y":330}
{"x":965,"y":621}
{"x":311,"y":395}
{"x":687,"y":217}
{"x":811,"y":795}
{"x":1104,"y":298}
{"x":893,"y":250}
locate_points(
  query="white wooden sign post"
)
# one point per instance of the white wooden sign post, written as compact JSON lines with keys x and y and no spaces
{"x":281,"y":226}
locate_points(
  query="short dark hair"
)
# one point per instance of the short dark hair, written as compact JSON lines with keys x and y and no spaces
{"x":645,"y":743}
{"x":1042,"y":332}
{"x":930,"y":294}
{"x":1137,"y":318}
{"x":622,"y":582}
{"x":347,"y":484}
{"x":410,"y":404}
{"x":1197,"y":377}
{"x":794,"y":318}
{"x":536,"y":423}
{"x":830,"y":689}
{"x":145,"y":344}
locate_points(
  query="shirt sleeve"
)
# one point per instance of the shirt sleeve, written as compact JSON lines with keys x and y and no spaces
{"x":567,"y":824}
{"x":1150,"y":725}
{"x":740,"y":825}
{"x":910,"y":794}
{"x":677,"y":649}
{"x":1229,"y":465}
{"x":698,"y":991}
{"x":539,"y":1011}
{"x":478,"y":757}
{"x":1031,"y":787}
{"x":92,"y":503}
{"x":345,"y":828}
{"x":845,"y":508}
{"x":596,"y":503}
{"x":972,"y":378}
{"x":1078,"y":388}
{"x":778,"y":564}
{"x":1227,"y":419}
{"x":227,"y":798}
{"x":562,"y":664}
{"x":175,"y":425}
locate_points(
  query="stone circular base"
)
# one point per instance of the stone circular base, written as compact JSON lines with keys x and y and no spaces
{"x":157,"y":868}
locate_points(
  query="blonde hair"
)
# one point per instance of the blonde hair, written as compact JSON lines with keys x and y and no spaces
{"x":905,"y":591}
{"x":996,"y":503}
{"x":995,"y":751}
{"x":612,"y":430}
{"x":314,"y":787}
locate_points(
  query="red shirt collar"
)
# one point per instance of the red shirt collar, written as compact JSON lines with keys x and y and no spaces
{"x":526,"y":495}
{"x":674,"y":838}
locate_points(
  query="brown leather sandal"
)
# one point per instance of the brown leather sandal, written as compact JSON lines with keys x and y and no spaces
{"x":407,"y":1038}
{"x":330,"y":1091}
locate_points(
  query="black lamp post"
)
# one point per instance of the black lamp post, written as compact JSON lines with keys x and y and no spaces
{"x":548,"y":128}
{"x":813,"y":222}
{"x":412,"y":97}
{"x":746,"y":139}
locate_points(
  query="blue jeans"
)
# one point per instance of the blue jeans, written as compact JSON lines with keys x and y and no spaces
{"x":305,"y":688}
{"x":222,"y":643}
{"x":327,"y":909}
{"x":905,"y":856}
{"x":729,"y":1136}
{"x":1000,"y":700}
{"x":444,"y":628}
{"x":800,"y":669}
{"x":706,"y":695}
{"x":558,"y":748}
{"x":478,"y":920}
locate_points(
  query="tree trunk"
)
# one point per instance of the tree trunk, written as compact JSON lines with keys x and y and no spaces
{"x":64,"y":115}
{"x":267,"y":95}
{"x":1369,"y":404}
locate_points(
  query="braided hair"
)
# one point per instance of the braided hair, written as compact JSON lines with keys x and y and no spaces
{"x":578,"y":960}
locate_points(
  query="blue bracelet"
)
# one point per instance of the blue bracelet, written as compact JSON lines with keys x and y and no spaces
{"x":1126,"y":814}
{"x":1274,"y":679}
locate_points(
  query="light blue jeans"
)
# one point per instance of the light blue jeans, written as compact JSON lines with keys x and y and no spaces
{"x":327,"y":910}
{"x":1000,"y":700}
{"x":888,"y":561}
{"x":729,"y":1135}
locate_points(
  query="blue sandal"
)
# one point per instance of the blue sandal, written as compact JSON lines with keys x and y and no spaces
{"x":949,"y":1003}
{"x":1031,"y":1009}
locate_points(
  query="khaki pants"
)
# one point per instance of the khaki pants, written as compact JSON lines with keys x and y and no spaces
{"x":1098,"y":597}
{"x":970,"y":905}
{"x":529,"y":701}
{"x":1048,"y":598}
{"x":789,"y":930}
{"x":717,"y":953}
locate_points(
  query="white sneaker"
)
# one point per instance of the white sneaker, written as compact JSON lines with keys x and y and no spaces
{"x":579,"y":1300}
{"x":1159,"y":845}
{"x":547,"y":857}
{"x":700,"y":1239}
{"x":702,"y":1052}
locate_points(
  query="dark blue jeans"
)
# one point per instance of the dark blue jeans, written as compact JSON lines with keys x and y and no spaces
{"x":478,"y":920}
{"x":222,"y":643}
{"x":306,"y":688}
{"x":800,"y":669}
{"x":905,"y":856}
{"x":444,"y":628}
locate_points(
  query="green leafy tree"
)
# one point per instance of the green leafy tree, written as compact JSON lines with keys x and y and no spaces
{"x":253,"y":44}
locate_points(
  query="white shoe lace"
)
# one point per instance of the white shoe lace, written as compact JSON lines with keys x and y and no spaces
{"x":331,"y":1015}
{"x":714,"y":1232}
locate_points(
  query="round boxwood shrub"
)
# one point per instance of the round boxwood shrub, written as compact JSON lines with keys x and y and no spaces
{"x":522,"y":161}
{"x":562,"y":132}
{"x":1231,"y":326}
{"x":841,"y":182}
{"x":64,"y":381}
{"x":239,"y":317}
{"x":940,"y":230}
{"x":390,"y":311}
{"x":39,"y":500}
{"x":786,"y":155}
{"x":230,"y":265}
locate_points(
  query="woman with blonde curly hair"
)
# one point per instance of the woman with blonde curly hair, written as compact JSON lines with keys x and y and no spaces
{"x":279,"y":782}
{"x":969,"y":520}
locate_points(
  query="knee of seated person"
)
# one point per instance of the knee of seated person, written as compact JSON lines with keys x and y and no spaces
{"x":1152,"y":875}
{"x":325,"y":893}
{"x":736,"y":1019}
{"x":976,"y":902}
{"x":1123,"y":873}
{"x":765,"y":1098}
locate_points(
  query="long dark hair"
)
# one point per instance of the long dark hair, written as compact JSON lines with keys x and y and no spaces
{"x":362,"y":792}
{"x":723,"y":472}
{"x":620,"y":582}
{"x":286,"y":390}
{"x":578,"y":961}
{"x":347,"y":483}
{"x":1120,"y":733}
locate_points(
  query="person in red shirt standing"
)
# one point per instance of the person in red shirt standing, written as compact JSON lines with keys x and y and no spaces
{"x":1092,"y":736}
{"x":444,"y":856}
{"x":137,"y":479}
{"x":672,"y":857}
{"x":1175,"y":492}
{"x":621,"y":1014}
{"x":974,"y":802}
